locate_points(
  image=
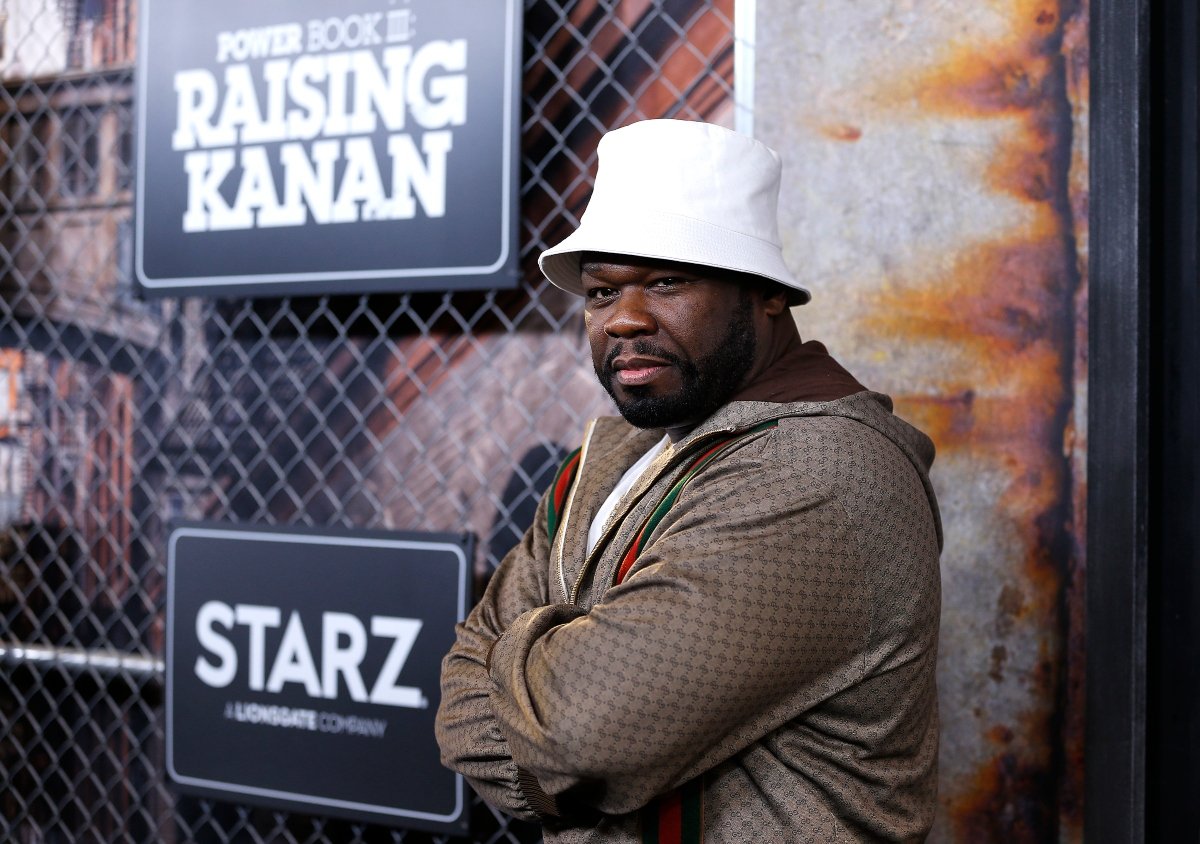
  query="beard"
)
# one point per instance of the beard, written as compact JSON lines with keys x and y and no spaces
{"x":706,"y":383}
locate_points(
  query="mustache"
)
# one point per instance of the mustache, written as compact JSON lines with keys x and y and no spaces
{"x":640,"y":347}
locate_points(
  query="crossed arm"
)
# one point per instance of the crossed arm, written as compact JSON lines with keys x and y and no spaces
{"x":714,"y":641}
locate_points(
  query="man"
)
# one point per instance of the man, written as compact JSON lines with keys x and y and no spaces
{"x":723,"y":623}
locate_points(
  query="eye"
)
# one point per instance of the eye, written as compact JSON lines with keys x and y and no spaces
{"x":599,"y":292}
{"x":668,"y":282}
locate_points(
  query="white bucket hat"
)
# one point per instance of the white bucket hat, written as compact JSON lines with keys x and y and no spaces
{"x":682,"y":191}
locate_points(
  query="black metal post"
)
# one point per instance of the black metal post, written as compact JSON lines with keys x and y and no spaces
{"x":1173,"y":622}
{"x":1117,"y":422}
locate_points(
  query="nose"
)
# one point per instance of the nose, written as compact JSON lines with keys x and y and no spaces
{"x":629,"y":316}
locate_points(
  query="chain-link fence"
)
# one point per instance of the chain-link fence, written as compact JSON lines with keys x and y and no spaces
{"x":421,"y":411}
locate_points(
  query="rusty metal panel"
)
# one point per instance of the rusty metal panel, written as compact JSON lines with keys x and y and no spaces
{"x":935,"y":200}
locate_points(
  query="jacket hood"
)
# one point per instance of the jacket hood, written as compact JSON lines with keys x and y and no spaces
{"x":865,"y":407}
{"x":803,"y":374}
{"x":798,"y":372}
{"x":804,"y":379}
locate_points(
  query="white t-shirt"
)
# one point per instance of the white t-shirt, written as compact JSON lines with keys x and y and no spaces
{"x":623,"y":486}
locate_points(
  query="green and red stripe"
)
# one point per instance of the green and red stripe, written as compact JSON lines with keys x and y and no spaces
{"x":677,"y":817}
{"x":563,"y":480}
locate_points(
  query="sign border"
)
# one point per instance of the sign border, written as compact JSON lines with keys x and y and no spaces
{"x":283,"y":284}
{"x":311,"y":536}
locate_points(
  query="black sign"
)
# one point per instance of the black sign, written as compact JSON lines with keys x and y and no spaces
{"x":298,"y":146}
{"x":302,"y":669}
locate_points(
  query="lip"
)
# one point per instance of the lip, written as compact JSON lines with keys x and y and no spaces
{"x":635,"y":370}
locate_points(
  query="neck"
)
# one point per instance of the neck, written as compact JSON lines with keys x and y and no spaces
{"x":781,"y":339}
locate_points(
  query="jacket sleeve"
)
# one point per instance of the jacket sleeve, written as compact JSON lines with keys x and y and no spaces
{"x":470,"y":739}
{"x":746,"y":608}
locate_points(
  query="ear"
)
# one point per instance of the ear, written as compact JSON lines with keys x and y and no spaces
{"x":774,"y":300}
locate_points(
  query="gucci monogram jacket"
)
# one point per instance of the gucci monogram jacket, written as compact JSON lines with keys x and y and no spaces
{"x":772,"y":647}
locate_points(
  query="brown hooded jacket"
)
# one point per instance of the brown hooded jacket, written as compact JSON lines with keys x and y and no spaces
{"x":776,"y":637}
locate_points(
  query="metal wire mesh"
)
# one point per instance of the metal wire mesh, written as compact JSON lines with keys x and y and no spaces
{"x":412,"y":411}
